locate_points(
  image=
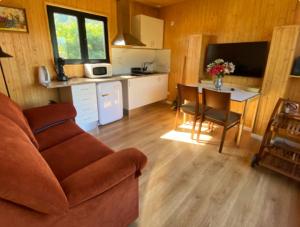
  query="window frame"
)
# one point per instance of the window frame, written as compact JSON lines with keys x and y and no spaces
{"x":81,"y":16}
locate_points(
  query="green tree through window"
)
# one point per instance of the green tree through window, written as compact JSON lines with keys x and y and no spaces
{"x":78,"y":37}
{"x":95,"y":39}
{"x":66,"y":28}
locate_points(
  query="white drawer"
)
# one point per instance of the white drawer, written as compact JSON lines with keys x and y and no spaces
{"x":79,"y":104}
{"x":83,"y":90}
{"x":90,"y":117}
{"x":83,"y":98}
{"x":87,"y":112}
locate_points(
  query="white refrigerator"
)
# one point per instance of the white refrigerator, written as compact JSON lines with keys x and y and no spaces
{"x":110,"y":102}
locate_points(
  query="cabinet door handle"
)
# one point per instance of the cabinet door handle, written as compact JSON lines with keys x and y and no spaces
{"x":104,"y":95}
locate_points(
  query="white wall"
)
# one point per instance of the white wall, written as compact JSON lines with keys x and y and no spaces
{"x":123,"y":59}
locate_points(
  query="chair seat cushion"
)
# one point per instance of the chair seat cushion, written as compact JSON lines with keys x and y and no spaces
{"x":25,"y":177}
{"x":74,"y":154}
{"x":57,"y":134}
{"x":216,"y":115}
{"x":189,"y":108}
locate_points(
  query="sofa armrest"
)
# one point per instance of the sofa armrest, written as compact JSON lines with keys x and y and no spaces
{"x":102,"y":175}
{"x":41,"y":118}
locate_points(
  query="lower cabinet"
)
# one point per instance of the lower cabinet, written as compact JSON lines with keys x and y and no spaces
{"x":138,"y":92}
{"x":84,"y":98}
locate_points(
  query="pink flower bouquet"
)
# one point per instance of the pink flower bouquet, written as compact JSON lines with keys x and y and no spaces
{"x":220,"y":68}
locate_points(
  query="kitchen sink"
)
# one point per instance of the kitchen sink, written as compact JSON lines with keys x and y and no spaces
{"x":143,"y":73}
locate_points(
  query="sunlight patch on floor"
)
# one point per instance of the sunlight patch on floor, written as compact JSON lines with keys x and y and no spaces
{"x":183,"y":134}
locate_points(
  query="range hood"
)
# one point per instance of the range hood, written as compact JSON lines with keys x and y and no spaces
{"x":124,"y":37}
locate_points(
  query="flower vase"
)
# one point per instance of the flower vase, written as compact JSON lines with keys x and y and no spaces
{"x":218,"y":83}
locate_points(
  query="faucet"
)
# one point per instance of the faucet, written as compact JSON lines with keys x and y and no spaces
{"x":145,"y":65}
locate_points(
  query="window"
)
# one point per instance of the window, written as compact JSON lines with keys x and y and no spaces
{"x":78,"y":37}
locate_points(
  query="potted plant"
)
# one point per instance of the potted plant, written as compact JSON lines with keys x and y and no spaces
{"x":218,"y":69}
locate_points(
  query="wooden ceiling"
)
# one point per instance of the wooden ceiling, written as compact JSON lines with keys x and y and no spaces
{"x":159,"y":3}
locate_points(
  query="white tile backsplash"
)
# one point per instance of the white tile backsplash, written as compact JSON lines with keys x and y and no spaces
{"x":162,"y":60}
{"x":123,"y":59}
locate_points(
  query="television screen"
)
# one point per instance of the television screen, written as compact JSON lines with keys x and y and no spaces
{"x":249,"y":58}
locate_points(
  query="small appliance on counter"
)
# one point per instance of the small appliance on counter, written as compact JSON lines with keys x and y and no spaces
{"x":44,"y":75}
{"x":110,"y":102}
{"x":61,"y":76}
{"x":98,"y":70}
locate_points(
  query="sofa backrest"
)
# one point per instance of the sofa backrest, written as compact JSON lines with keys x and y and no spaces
{"x":25,"y":177}
{"x":11,"y":110}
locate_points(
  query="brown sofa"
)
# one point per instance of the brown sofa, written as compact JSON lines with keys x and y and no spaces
{"x":52,"y":173}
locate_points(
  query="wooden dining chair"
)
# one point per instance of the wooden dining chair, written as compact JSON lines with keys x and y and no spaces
{"x":188,"y":103}
{"x":216,"y":109}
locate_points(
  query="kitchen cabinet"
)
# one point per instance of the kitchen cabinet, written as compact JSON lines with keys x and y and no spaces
{"x":84,"y":99}
{"x":148,"y":30}
{"x":144,"y":90}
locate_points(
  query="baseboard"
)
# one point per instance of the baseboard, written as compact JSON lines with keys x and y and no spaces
{"x":142,"y":109}
{"x":248,"y":129}
{"x":256,"y":136}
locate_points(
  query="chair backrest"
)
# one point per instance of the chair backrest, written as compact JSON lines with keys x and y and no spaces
{"x":187,"y":93}
{"x":216,"y":100}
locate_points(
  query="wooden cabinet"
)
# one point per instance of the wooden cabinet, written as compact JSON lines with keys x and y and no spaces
{"x":194,"y":58}
{"x":84,"y":98}
{"x":142,"y":91}
{"x":277,"y":81}
{"x":148,"y":30}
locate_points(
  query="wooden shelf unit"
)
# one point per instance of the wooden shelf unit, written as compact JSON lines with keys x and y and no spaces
{"x":280,"y":149}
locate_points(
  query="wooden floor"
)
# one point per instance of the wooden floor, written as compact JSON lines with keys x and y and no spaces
{"x":190,"y":184}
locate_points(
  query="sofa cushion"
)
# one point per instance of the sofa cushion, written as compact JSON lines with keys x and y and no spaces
{"x":12,"y":111}
{"x":57,"y":134}
{"x":25,"y":177}
{"x":74,"y":154}
{"x":44,"y":117}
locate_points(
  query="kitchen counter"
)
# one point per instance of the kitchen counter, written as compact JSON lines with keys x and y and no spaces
{"x":83,"y":80}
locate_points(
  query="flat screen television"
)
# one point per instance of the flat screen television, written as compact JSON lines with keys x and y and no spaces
{"x":249,"y":58}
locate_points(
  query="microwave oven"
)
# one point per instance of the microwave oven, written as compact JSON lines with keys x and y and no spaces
{"x":98,"y":70}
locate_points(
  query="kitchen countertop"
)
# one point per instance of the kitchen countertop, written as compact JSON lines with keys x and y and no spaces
{"x":83,"y":80}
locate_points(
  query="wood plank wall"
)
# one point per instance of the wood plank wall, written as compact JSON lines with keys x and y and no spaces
{"x":229,"y":21}
{"x":139,"y":8}
{"x":33,"y":49}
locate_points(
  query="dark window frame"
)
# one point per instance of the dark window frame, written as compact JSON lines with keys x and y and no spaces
{"x":81,"y":16}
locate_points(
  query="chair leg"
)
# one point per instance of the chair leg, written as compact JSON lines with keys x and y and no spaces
{"x":176,"y":119}
{"x":194,"y":126}
{"x":199,"y":130}
{"x":209,"y":126}
{"x":237,"y":133}
{"x":184,"y":118}
{"x":222,"y":140}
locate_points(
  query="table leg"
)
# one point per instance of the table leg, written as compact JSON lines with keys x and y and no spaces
{"x":255,"y":114}
{"x":184,"y":118}
{"x":241,"y":126}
